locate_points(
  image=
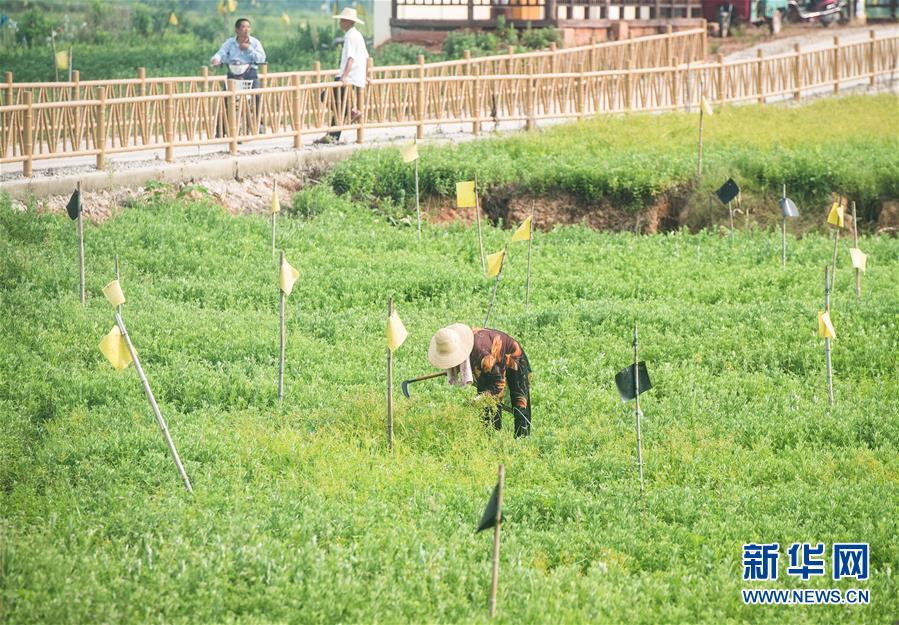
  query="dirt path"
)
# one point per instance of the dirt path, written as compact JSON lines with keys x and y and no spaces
{"x":808,"y":36}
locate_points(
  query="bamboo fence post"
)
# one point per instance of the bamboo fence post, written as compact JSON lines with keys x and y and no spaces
{"x":720,"y":80}
{"x":80,"y":225}
{"x":827,"y":360}
{"x":232,"y":116}
{"x":362,"y":102}
{"x":637,"y":409}
{"x":149,"y":393}
{"x":629,"y":79}
{"x":169,"y":122}
{"x":510,"y":50}
{"x":705,"y":39}
{"x":797,"y":72}
{"x":281,"y":357}
{"x":553,"y":54}
{"x":497,"y":522}
{"x":296,"y":113}
{"x":389,"y":384}
{"x":75,"y":138}
{"x":9,"y":92}
{"x":100,"y":142}
{"x":836,"y":65}
{"x":142,"y":107}
{"x":531,"y":102}
{"x":760,"y":75}
{"x":476,"y":102}
{"x":581,"y":93}
{"x":28,"y":134}
{"x":477,"y":213}
{"x":872,"y":67}
{"x":420,"y":99}
{"x":669,"y":48}
{"x":858,"y":273}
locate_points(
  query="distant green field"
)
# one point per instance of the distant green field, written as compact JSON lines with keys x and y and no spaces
{"x":300,"y":515}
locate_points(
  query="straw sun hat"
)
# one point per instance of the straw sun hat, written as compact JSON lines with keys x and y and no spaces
{"x":348,"y":13}
{"x":450,"y":346}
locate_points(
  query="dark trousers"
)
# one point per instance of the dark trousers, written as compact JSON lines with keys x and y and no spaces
{"x":340,"y":105}
{"x":519,"y":384}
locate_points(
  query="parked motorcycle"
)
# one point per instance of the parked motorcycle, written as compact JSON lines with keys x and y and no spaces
{"x":826,"y":12}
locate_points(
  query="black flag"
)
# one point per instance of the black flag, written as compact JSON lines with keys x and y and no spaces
{"x":625,"y":381}
{"x":74,"y":205}
{"x":788,"y":208}
{"x":728,"y":191}
{"x":489,"y":518}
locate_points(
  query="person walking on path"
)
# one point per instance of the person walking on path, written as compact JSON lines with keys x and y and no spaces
{"x":352,"y":76}
{"x":492,"y":360}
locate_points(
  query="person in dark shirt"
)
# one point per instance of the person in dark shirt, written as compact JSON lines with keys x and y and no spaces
{"x":491,"y":359}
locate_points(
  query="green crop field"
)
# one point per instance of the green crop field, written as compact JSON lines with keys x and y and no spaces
{"x":301,"y":515}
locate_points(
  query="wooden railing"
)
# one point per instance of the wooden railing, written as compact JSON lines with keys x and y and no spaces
{"x":484,"y":13}
{"x":671,"y":47}
{"x":103,"y":126}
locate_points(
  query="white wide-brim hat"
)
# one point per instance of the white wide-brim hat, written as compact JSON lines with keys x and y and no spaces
{"x":450,"y":346}
{"x":348,"y":13}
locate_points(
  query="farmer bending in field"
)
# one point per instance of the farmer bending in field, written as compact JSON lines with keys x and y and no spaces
{"x":493,"y":360}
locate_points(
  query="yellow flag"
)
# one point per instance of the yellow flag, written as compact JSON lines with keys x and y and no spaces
{"x":62,"y":59}
{"x":836,"y":215}
{"x":221,"y":8}
{"x":173,"y":19}
{"x":825,"y":326}
{"x":285,"y":18}
{"x":706,"y":106}
{"x":115,"y":349}
{"x":859,"y":259}
{"x":396,"y":332}
{"x":410,"y":153}
{"x":465,"y":197}
{"x":113,"y":293}
{"x":289,"y":275}
{"x":524,"y":231}
{"x":495,"y":263}
{"x":232,"y":6}
{"x":276,"y":204}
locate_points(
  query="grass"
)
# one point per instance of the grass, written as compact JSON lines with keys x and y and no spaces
{"x":845,"y":145}
{"x":300,"y":515}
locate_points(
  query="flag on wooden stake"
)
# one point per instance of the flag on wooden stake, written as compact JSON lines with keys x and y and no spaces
{"x":624,"y":380}
{"x":488,"y":519}
{"x":74,"y":205}
{"x":524,"y":231}
{"x":495,"y":263}
{"x":396,"y":332}
{"x":285,"y":19}
{"x":276,"y":203}
{"x":114,"y":294}
{"x":173,"y":19}
{"x":410,"y":153}
{"x":232,"y":6}
{"x":706,"y":106}
{"x":728,"y":191}
{"x":465,"y":194}
{"x":115,"y":349}
{"x":836,"y":217}
{"x":859,"y":259}
{"x":825,"y":326}
{"x":289,"y":275}
{"x":62,"y":59}
{"x":788,"y":208}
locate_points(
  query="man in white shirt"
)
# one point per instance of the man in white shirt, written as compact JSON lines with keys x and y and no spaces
{"x":353,"y":67}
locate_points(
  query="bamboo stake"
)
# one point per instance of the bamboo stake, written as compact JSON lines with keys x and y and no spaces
{"x":499,"y":275}
{"x":730,"y":212}
{"x":858,"y":273}
{"x":81,"y":247}
{"x":274,"y":220}
{"x":637,"y":409}
{"x":417,"y":205}
{"x":827,"y":341}
{"x":699,"y":160}
{"x":149,"y":392}
{"x":496,"y":530}
{"x":281,"y":359}
{"x":833,"y":262}
{"x":477,"y":212}
{"x":389,"y":384}
{"x":119,"y":307}
{"x":527,"y":288}
{"x":783,"y":234}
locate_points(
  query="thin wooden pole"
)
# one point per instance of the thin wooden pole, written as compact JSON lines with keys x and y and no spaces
{"x":827,"y":340}
{"x":637,"y":409}
{"x":858,"y":273}
{"x":417,"y":205}
{"x":730,"y":212}
{"x":499,"y":275}
{"x":477,"y":212}
{"x":833,"y":262}
{"x":527,"y":288}
{"x":699,"y":160}
{"x":81,"y":288}
{"x":149,"y":392}
{"x":274,"y":220}
{"x":389,"y":384}
{"x":281,"y":359}
{"x":117,"y":277}
{"x":783,"y":233}
{"x":497,"y":523}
